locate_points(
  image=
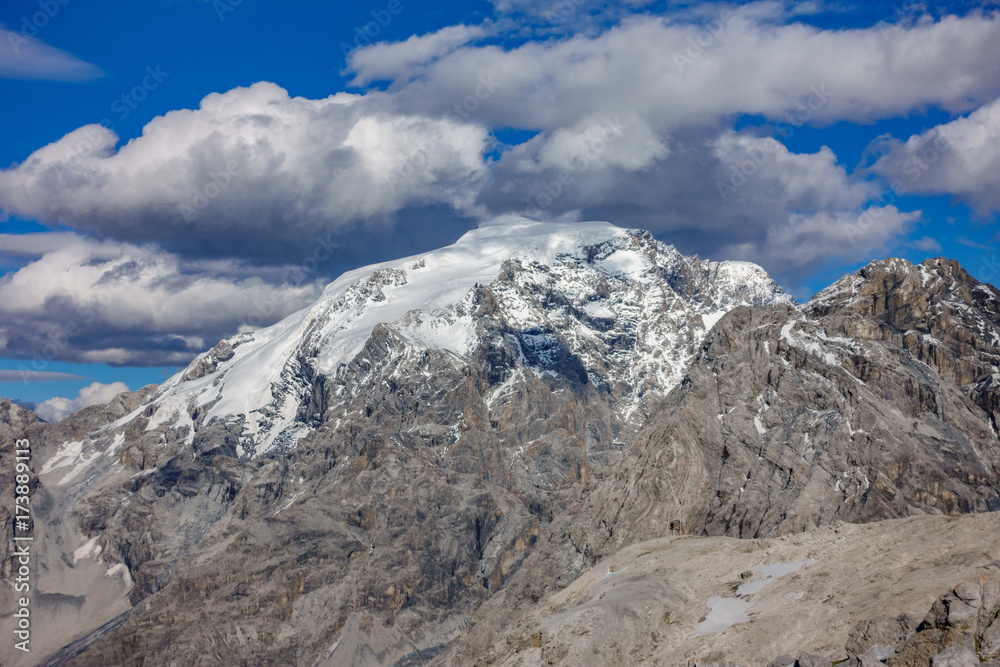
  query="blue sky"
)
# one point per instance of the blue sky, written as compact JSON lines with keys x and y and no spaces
{"x":128,"y":248}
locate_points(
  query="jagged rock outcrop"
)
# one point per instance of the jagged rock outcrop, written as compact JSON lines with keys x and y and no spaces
{"x":962,"y":629}
{"x":441,"y":435}
{"x":871,"y":401}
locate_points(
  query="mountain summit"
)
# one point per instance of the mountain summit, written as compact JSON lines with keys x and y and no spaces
{"x":454,"y":437}
{"x":426,"y":417}
{"x":590,"y":302}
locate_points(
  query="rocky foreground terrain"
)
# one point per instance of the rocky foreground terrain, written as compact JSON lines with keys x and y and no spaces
{"x":844,"y":590}
{"x":545,"y":444}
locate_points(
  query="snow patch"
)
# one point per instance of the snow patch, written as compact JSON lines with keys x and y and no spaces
{"x":725,"y":612}
{"x":89,"y":549}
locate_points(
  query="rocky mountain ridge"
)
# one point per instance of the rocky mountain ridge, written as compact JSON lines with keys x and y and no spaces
{"x":444,"y":434}
{"x":873,"y":400}
{"x":426,"y":418}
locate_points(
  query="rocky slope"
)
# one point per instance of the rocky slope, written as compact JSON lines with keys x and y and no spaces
{"x":876,"y":399}
{"x":349,"y":485}
{"x":827,"y":595}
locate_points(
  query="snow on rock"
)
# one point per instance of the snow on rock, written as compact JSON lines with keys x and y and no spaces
{"x":626,"y":303}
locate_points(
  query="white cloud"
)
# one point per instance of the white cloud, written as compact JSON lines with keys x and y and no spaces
{"x":804,"y":243}
{"x":35,"y":376}
{"x":675,"y":74}
{"x":387,"y":59}
{"x":627,"y":143}
{"x":140,"y":306}
{"x":58,"y":408}
{"x":759,"y":169}
{"x":254,"y":173}
{"x":960,"y":158}
{"x":250,"y":160}
{"x":38,"y":244}
{"x":24,"y":57}
{"x":927,"y":244}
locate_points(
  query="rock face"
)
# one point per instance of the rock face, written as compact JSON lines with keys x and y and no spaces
{"x":962,"y":629}
{"x":349,"y":485}
{"x":872,"y":401}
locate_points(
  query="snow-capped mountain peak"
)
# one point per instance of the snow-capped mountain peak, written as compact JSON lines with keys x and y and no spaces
{"x":631,"y":310}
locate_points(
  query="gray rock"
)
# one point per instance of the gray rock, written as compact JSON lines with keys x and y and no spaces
{"x":883,"y":631}
{"x":877,"y":399}
{"x":961,"y":615}
{"x":990,"y":638}
{"x":382,"y":500}
{"x":881,"y":652}
{"x":812,"y":660}
{"x":955,"y":656}
{"x":784,"y":661}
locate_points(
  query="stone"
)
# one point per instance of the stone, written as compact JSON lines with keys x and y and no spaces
{"x":882,"y":631}
{"x":989,"y":642}
{"x":813,"y":660}
{"x":955,"y":656}
{"x":880,"y":652}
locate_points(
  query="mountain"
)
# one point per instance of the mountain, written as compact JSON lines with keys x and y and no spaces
{"x":875,"y":400}
{"x":350,"y":484}
{"x":544,"y":444}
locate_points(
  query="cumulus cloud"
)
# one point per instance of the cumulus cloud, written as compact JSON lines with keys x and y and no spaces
{"x":960,"y":158}
{"x":801,"y":243}
{"x":725,"y":195}
{"x":58,"y":408}
{"x":630,"y":124}
{"x":23,"y":56}
{"x":829,"y":216}
{"x":673,"y":74}
{"x":762,"y":169}
{"x":251,"y":173}
{"x":140,"y":306}
{"x":255,"y":173}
